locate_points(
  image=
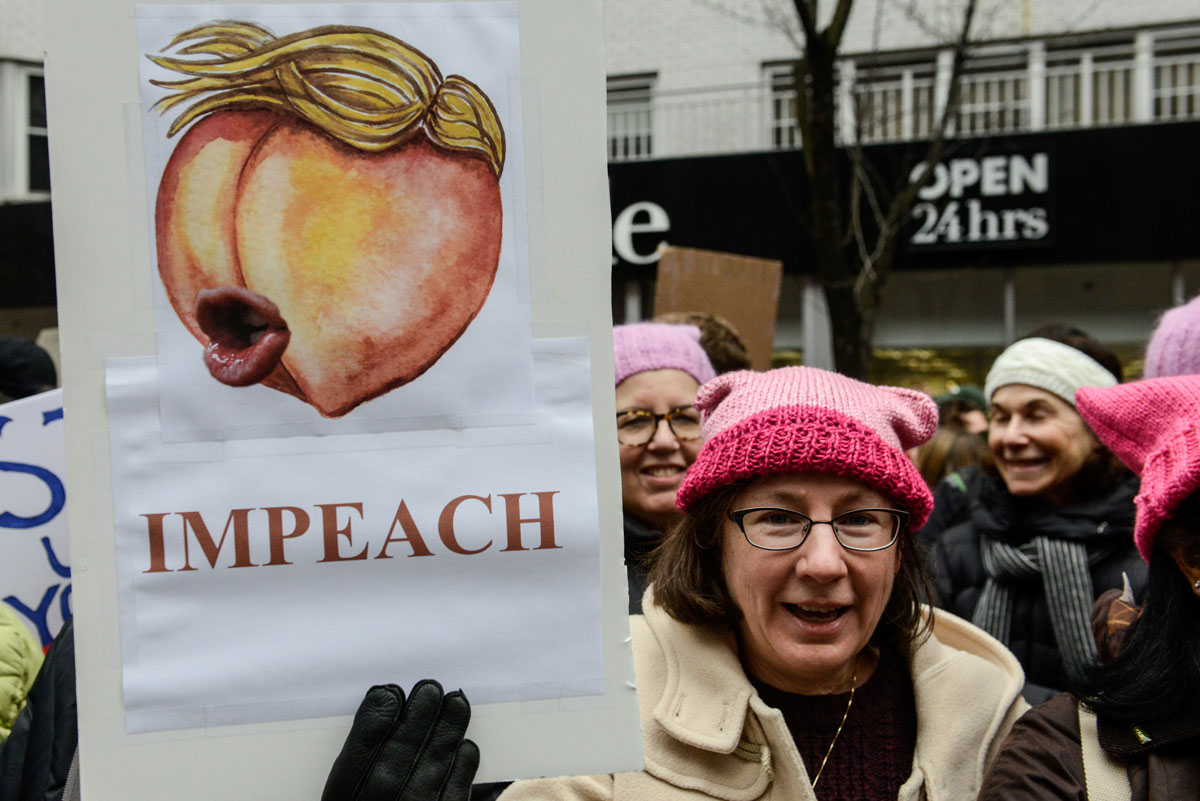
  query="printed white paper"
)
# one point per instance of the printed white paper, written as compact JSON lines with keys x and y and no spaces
{"x":399,"y":273}
{"x":264,"y":580}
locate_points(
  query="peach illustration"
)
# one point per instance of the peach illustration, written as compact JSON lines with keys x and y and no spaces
{"x":331,"y":222}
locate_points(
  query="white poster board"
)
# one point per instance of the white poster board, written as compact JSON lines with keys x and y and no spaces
{"x":35,"y":567}
{"x":141,"y":451}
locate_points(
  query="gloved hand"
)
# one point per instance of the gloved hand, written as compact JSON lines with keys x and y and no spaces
{"x":406,"y":751}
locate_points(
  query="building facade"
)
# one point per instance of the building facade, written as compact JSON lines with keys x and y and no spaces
{"x":1065,"y":194}
{"x":27,"y":295}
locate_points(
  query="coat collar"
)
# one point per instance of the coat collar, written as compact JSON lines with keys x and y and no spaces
{"x":701,"y":667}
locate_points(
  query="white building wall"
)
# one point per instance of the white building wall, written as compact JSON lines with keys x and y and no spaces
{"x":21,"y":33}
{"x":700,"y":43}
{"x":695,"y":46}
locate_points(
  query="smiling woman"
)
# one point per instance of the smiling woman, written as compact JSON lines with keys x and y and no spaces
{"x":658,"y":369}
{"x":1136,"y":720}
{"x":1048,"y":524}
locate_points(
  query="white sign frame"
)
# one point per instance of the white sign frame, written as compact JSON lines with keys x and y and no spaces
{"x":102,"y":246}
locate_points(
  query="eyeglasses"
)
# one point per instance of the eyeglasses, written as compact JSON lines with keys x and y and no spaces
{"x":636,"y":427}
{"x":782,"y":529}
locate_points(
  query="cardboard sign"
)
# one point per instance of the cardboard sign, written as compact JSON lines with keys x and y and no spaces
{"x":330,"y":418}
{"x":742,"y":289}
{"x":35,"y":569}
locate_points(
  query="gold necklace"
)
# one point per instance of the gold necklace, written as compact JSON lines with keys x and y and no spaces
{"x":846,"y":714}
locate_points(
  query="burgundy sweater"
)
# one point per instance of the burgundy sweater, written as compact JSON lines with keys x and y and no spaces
{"x":874,"y":753}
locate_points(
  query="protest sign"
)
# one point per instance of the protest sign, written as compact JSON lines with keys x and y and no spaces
{"x":334,"y":303}
{"x":35,"y":572}
{"x":741,"y":289}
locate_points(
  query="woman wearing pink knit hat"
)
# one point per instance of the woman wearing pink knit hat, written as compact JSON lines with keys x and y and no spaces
{"x":1132,"y":728}
{"x":658,"y":368}
{"x":784,"y":652}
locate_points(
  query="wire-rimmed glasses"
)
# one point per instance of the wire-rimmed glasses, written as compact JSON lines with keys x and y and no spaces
{"x":636,"y":427}
{"x":774,"y":529}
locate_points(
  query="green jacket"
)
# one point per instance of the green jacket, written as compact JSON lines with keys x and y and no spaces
{"x":20,"y":659}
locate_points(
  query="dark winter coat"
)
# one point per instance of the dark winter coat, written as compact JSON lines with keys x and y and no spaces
{"x":1042,"y":760}
{"x":1105,"y":524}
{"x":640,"y":540}
{"x":36,"y":757}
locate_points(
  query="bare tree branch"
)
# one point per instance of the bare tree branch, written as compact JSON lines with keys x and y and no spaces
{"x":903,"y":201}
{"x":856,"y":225}
{"x":808,"y":21}
{"x":837,"y":26}
{"x":857,"y":217}
{"x":718,"y":7}
{"x":785,"y":22}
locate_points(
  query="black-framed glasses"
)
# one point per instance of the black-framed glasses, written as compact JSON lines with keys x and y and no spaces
{"x":636,"y":427}
{"x":783,"y":529}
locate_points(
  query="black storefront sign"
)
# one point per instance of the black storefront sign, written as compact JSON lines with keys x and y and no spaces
{"x":1067,"y":197}
{"x":26,"y":255}
{"x":977,"y":202}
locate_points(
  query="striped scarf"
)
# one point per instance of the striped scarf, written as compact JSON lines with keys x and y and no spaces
{"x":1067,"y":584}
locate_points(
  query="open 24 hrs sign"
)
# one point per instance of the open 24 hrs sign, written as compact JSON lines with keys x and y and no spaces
{"x":984,"y":201}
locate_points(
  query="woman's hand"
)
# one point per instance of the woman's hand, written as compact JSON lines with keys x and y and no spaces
{"x":400,"y":750}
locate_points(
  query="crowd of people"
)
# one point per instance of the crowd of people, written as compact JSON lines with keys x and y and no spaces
{"x":816,"y":615}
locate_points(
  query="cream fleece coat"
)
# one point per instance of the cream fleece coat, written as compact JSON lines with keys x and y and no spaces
{"x":707,"y":734}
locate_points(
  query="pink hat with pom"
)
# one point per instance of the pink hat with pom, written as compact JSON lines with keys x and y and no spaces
{"x":1174,"y":348}
{"x":639,"y":347}
{"x":801,"y":419}
{"x":1153,"y":426}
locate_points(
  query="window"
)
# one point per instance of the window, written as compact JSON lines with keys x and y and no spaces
{"x":1177,"y":75}
{"x":37,"y":153}
{"x":785,"y":133}
{"x":993,"y":94}
{"x":630,"y":118}
{"x":24,"y":149}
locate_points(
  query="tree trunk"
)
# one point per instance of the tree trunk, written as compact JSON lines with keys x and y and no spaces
{"x":826,"y":167}
{"x":851,"y":332}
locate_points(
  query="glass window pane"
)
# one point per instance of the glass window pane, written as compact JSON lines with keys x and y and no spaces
{"x":37,"y":101}
{"x":39,"y":163}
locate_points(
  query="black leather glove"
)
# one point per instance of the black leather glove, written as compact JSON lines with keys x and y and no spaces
{"x":410,"y":750}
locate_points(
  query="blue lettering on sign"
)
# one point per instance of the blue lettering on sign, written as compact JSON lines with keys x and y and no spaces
{"x":58,"y":494}
{"x":39,"y":615}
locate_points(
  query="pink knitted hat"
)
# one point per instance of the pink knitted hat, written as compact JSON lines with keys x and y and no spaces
{"x":1174,"y":348}
{"x":639,"y":347}
{"x":1153,"y":426}
{"x":801,"y":419}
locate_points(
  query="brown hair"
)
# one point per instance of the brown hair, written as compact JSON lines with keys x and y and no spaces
{"x":949,"y":450}
{"x":719,"y":339}
{"x":689,"y":581}
{"x":1080,"y":341}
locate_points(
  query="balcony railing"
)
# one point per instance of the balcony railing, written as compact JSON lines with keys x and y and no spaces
{"x":1153,"y":76}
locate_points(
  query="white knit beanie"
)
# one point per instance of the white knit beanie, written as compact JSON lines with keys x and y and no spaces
{"x":1046,"y":364}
